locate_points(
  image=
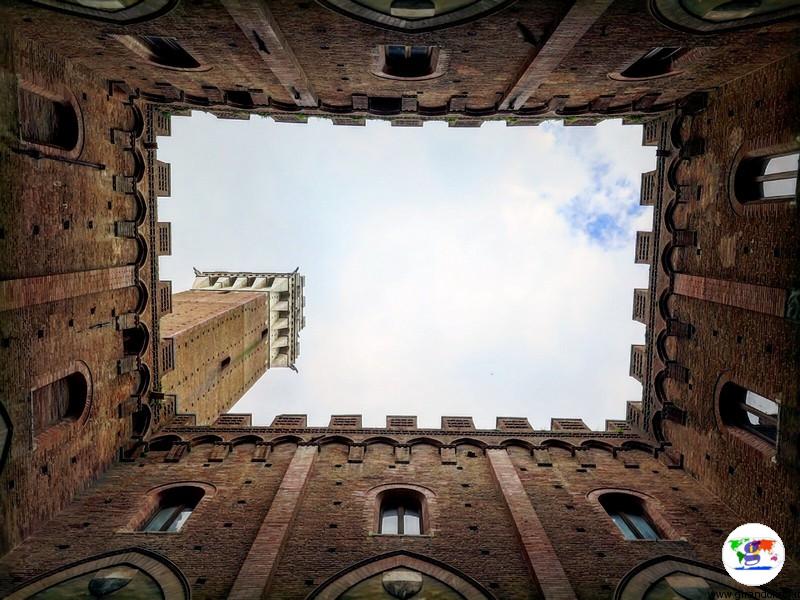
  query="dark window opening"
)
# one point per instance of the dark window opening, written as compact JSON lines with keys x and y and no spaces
{"x":629,"y":515}
{"x":60,"y":401}
{"x":385,"y":106}
{"x":752,"y":412}
{"x":163,"y":444}
{"x":657,"y":62}
{"x":164,"y":51}
{"x":767,"y":179}
{"x":47,"y":122}
{"x":140,"y":421}
{"x":134,"y":341}
{"x":240,"y":98}
{"x":401,"y":513}
{"x":174,"y":507}
{"x":409,"y":62}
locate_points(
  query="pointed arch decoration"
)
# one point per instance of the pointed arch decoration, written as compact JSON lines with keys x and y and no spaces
{"x":681,"y":576}
{"x":120,"y":12}
{"x":146,"y":574}
{"x":398,"y":562}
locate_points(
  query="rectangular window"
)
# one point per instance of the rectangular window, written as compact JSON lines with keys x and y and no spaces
{"x":411,"y":522}
{"x":408,"y":62}
{"x":160,"y":519}
{"x":389,"y":521}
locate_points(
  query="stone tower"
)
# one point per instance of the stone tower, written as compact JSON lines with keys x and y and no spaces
{"x":224,"y":333}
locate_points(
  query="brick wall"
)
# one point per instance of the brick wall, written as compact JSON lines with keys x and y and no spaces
{"x":336,"y":57}
{"x":329,"y":511}
{"x":207,"y":328}
{"x":729,"y":295}
{"x":69,"y":282}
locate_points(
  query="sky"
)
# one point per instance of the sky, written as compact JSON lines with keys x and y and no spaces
{"x":462,"y":272}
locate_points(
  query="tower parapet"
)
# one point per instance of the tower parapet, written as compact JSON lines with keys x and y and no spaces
{"x":225,"y":333}
{"x":285,"y":306}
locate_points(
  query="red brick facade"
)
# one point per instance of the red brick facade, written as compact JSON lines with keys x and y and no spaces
{"x":218,"y":352}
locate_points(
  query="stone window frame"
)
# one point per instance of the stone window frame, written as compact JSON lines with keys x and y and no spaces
{"x":618,"y":74}
{"x":652,"y":508}
{"x":339,"y":583}
{"x":164,"y":572}
{"x":142,"y":11}
{"x":152,"y":500}
{"x":760,"y":148}
{"x":440,"y":60}
{"x":54,"y":435}
{"x":741,"y":434}
{"x":373,"y":499}
{"x":61,"y":94}
{"x":671,"y":14}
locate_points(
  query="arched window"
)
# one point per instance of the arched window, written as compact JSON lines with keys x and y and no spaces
{"x":59,"y":401}
{"x":740,"y":407}
{"x":658,"y":62}
{"x":767,"y":178}
{"x":124,"y":573}
{"x":629,"y":515}
{"x":140,"y":421}
{"x":134,"y":340}
{"x":408,"y":62}
{"x":401,"y":513}
{"x":46,"y":120}
{"x":165,"y":52}
{"x":673,"y":577}
{"x":174,"y":507}
{"x":399,"y":575}
{"x":395,"y":61}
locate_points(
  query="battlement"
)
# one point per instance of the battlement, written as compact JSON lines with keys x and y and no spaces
{"x":449,"y":425}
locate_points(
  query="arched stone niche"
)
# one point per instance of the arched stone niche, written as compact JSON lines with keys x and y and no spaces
{"x":400,"y":575}
{"x":671,"y":576}
{"x":132,"y":573}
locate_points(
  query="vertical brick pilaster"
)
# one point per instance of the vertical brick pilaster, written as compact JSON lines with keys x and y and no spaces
{"x":539,"y":551}
{"x":261,"y":560}
{"x":18,"y":293}
{"x":758,"y":298}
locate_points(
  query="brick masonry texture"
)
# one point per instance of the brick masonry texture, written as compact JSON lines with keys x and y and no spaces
{"x":731,"y":287}
{"x":66,"y":278}
{"x":337,"y":55}
{"x":332,"y":513}
{"x":288,"y":509}
{"x":208,"y":328}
